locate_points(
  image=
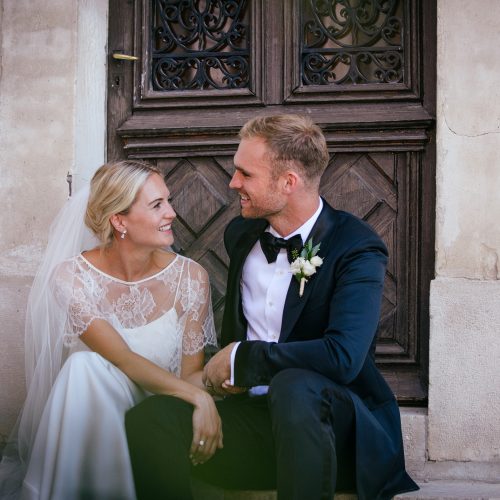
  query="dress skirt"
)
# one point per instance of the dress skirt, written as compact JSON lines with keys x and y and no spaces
{"x":80,"y":451}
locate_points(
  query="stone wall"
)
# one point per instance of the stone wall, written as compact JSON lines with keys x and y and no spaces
{"x":51,"y":51}
{"x":464,"y":402}
{"x":36,"y":151}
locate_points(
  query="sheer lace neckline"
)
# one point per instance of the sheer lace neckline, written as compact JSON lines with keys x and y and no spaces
{"x":123,"y":282}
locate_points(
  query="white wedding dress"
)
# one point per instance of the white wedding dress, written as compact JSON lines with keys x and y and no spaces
{"x":80,"y":448}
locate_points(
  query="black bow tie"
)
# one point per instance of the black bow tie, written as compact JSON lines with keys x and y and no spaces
{"x":271,"y":246}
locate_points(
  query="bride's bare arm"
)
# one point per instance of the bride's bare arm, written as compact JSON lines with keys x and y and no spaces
{"x":192,"y":369}
{"x":102,"y":338}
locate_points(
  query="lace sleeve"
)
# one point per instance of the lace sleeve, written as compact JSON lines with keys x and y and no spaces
{"x":79,"y":295}
{"x":196,"y":304}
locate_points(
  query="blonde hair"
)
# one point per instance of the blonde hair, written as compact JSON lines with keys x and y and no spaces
{"x":294,"y":141}
{"x":113,"y":190}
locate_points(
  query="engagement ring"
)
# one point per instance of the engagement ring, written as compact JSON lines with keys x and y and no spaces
{"x":201,"y":443}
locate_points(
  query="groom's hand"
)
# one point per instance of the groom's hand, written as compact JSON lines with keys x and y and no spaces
{"x":217,"y":373}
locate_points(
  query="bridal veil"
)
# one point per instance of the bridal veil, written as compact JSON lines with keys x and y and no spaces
{"x":44,"y":348}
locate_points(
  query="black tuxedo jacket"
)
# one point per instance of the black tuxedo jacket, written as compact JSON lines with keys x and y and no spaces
{"x":331,"y":330}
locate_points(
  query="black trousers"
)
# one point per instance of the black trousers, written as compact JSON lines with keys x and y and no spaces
{"x":298,"y":439}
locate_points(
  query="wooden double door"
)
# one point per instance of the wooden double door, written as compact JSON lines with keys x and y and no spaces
{"x":364,"y":70}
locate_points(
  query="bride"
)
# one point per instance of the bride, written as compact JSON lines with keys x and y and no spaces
{"x":106,"y":327}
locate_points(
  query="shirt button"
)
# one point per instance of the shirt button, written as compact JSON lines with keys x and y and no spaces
{"x":270,"y":304}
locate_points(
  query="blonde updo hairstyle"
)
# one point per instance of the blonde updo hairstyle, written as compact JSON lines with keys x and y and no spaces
{"x":113,"y":190}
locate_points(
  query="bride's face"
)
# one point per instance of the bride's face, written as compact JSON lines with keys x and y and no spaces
{"x":149,"y":221}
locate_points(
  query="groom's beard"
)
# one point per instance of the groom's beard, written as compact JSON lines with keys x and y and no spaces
{"x":265,"y":206}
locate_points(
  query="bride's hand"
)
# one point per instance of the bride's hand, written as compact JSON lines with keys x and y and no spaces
{"x":207,"y":429}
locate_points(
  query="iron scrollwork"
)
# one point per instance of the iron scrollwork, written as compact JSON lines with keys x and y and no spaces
{"x":199,"y":45}
{"x":352,"y":42}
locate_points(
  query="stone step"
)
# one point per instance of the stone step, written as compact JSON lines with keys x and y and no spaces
{"x":414,"y":430}
{"x":453,"y":490}
{"x":437,"y":480}
{"x":432,"y":490}
{"x":203,"y":491}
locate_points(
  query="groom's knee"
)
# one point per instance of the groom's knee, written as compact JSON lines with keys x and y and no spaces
{"x":156,"y":411}
{"x":296,"y":396}
{"x":293,"y":396}
{"x":295,"y":386}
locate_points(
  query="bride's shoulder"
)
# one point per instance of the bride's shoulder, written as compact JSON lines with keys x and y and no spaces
{"x":67,"y":264}
{"x":72,"y":264}
{"x":63,"y":274}
{"x":94,"y":258}
{"x":195,"y":270}
{"x":165,"y":258}
{"x":190,"y":266}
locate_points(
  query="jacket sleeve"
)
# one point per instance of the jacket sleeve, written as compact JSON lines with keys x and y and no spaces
{"x":351,"y":311}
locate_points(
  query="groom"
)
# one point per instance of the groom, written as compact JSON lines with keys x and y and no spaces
{"x":305,"y":409}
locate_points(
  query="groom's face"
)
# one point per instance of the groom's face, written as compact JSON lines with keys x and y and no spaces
{"x":259,"y":190}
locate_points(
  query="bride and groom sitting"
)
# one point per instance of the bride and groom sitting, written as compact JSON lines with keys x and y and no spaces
{"x":117,"y":332}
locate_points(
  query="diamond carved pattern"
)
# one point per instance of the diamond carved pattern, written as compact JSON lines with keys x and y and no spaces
{"x":195,"y":203}
{"x":388,"y":311}
{"x":352,"y":195}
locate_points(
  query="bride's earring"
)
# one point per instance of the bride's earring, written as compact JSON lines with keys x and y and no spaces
{"x":124,"y":232}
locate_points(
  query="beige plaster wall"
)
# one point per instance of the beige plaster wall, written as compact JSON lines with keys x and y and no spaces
{"x":51,"y":51}
{"x":36,"y":118}
{"x":464,"y":408}
{"x":464,"y":403}
{"x":468,"y":179}
{"x":36,"y":151}
{"x":52,"y":120}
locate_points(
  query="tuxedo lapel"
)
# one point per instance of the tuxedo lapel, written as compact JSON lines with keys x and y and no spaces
{"x":236,"y":324}
{"x":321,"y":232}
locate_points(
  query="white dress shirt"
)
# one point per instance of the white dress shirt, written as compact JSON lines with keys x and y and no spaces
{"x":264,"y":287}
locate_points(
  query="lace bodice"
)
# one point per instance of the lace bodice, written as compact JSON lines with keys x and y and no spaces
{"x":160,"y":317}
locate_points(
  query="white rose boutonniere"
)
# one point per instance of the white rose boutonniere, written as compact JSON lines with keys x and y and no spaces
{"x":304,"y":264}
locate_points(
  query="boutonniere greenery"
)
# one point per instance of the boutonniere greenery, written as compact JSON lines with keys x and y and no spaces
{"x":304,"y":264}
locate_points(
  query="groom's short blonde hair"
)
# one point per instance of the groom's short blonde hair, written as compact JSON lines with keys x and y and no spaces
{"x":113,"y":190}
{"x":294,"y":141}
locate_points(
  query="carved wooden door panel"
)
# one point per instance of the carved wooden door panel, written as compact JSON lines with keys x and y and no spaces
{"x":364,"y":70}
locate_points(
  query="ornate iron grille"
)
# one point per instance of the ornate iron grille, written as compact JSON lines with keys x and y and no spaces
{"x":200,"y":44}
{"x":352,"y":41}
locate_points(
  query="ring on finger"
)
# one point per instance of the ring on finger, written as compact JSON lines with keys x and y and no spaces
{"x":201,"y":442}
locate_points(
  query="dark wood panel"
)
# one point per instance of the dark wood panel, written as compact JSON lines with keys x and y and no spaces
{"x":381,"y":137}
{"x":120,"y":73}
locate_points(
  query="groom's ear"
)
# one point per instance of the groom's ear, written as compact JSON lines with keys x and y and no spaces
{"x":291,"y":181}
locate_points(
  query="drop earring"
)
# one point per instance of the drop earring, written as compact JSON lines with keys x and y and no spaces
{"x":124,"y":232}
